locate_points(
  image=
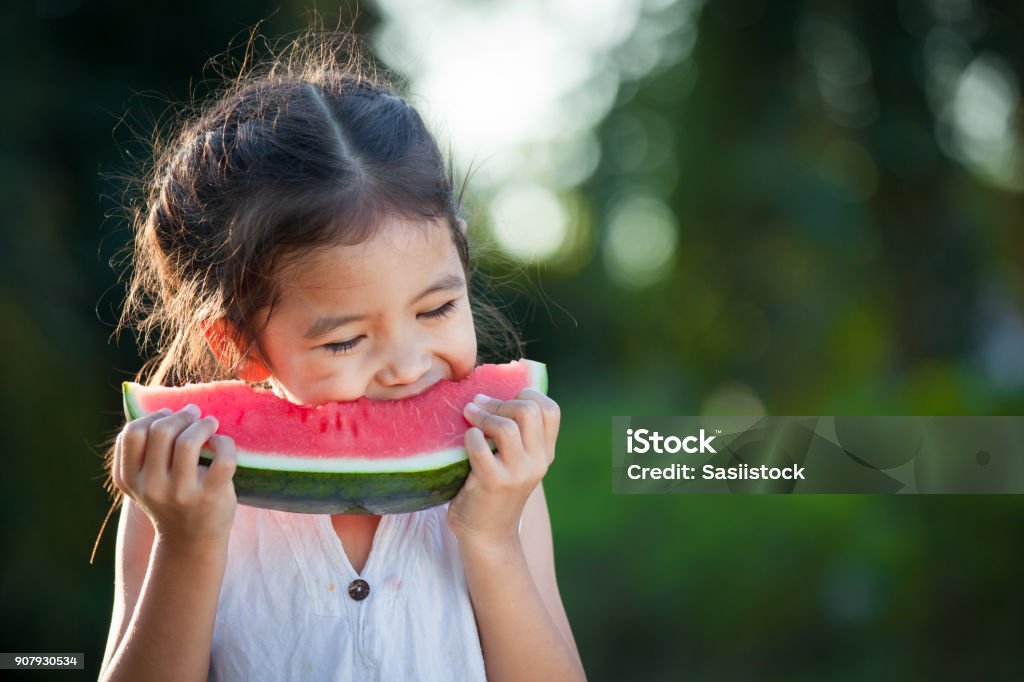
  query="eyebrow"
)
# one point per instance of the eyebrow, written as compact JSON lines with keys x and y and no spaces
{"x":323,"y":325}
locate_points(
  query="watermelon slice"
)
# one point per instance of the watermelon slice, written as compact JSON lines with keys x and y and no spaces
{"x":358,"y":457}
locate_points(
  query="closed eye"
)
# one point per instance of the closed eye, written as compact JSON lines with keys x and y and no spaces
{"x":345,"y":346}
{"x":443,"y":311}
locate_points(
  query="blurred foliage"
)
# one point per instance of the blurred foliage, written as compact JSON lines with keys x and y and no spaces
{"x":825,"y":265}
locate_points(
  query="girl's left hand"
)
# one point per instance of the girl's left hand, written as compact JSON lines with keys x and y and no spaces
{"x":490,"y":504}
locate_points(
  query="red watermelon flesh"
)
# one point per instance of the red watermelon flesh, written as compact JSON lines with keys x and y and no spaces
{"x":260,"y":421}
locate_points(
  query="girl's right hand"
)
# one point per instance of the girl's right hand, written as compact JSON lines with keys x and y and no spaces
{"x":156,"y":463}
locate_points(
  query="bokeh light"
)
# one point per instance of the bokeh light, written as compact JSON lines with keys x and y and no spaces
{"x":518,"y":88}
{"x":640,"y":242}
{"x":529,"y":222}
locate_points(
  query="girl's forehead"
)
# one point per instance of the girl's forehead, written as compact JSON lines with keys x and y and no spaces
{"x":396,"y":259}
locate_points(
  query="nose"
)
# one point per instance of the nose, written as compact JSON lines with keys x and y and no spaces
{"x":404,"y":365}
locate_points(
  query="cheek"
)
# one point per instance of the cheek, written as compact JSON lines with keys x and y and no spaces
{"x":308,"y":375}
{"x":462,"y":345}
{"x":325,"y":383}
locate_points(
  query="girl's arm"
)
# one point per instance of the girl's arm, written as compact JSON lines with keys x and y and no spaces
{"x":540,"y":555}
{"x":165,"y":602}
{"x":131,"y":561}
{"x":167,"y":583}
{"x":524,"y":631}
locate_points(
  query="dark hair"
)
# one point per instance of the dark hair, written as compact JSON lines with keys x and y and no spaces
{"x":301,"y":150}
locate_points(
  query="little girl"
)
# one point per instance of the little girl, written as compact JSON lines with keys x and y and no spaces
{"x":302,"y":233}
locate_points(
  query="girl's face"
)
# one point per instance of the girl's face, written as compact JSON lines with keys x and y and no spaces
{"x":383,"y":319}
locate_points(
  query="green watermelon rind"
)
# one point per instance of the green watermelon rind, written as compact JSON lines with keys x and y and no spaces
{"x":331,"y":493}
{"x":322,"y":492}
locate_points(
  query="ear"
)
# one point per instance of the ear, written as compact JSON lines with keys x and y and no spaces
{"x":462,"y":225}
{"x":219,"y":335}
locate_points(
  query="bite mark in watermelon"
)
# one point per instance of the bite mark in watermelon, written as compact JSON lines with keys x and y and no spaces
{"x":363,"y":456}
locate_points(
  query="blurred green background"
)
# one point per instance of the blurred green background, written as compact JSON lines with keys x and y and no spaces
{"x":725,"y":206}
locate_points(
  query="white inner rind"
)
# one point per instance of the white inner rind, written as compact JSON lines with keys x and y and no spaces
{"x":349,"y":465}
{"x":538,"y":373}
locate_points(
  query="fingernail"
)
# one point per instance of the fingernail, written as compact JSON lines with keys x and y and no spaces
{"x":212,"y":419}
{"x":472,"y":409}
{"x":482,"y":399}
{"x":192,"y":409}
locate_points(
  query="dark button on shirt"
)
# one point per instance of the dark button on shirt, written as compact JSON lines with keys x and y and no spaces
{"x":359,"y":589}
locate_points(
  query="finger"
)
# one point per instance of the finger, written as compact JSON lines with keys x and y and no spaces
{"x":481,"y":460}
{"x":225,"y":462}
{"x":525,"y":413}
{"x":162,"y":435}
{"x":133,"y":440}
{"x":503,"y":430}
{"x":552,"y":417}
{"x":185,"y":460}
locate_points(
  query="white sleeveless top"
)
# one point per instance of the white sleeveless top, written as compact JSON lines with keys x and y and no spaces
{"x":285,"y":610}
